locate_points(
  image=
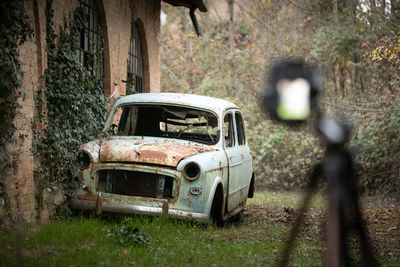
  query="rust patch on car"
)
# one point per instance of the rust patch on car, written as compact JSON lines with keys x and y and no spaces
{"x":167,"y":153}
{"x":165,"y":207}
{"x":152,"y":154}
{"x":99,"y":204}
{"x":88,"y":196}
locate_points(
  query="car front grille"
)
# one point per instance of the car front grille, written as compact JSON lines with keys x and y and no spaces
{"x":132,"y":183}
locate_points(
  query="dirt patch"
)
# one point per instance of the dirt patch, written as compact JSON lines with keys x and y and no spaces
{"x":382,"y":219}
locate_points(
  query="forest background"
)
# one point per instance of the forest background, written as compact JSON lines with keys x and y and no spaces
{"x":356,"y":46}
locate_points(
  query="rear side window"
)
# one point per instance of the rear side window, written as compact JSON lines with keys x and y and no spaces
{"x":229,"y":133}
{"x":240,"y":129}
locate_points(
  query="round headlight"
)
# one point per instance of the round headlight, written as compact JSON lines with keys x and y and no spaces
{"x":83,"y":159}
{"x":191,"y":171}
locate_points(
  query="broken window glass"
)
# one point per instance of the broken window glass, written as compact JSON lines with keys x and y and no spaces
{"x":166,"y":121}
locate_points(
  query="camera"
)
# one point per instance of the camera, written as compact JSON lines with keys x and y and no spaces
{"x":290,"y":94}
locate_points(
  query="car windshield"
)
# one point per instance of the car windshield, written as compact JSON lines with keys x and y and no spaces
{"x":166,"y":121}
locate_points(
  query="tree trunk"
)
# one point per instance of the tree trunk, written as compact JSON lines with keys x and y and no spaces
{"x":383,"y":6}
{"x":276,"y":15}
{"x":207,"y":16}
{"x":187,"y":45}
{"x":394,"y":7}
{"x":352,"y":6}
{"x":183,"y":21}
{"x":335,"y":11}
{"x":231,"y":46}
{"x":334,"y":78}
{"x":342,"y":79}
{"x":231,"y":26}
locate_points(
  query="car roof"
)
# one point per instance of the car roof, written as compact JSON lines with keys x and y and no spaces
{"x":199,"y":101}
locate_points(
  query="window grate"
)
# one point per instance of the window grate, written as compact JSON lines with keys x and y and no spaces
{"x":135,"y":63}
{"x":90,"y":48}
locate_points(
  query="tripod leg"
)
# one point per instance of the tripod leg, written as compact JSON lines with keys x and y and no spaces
{"x":368,"y":258}
{"x":312,"y":184}
{"x":333,"y":233}
{"x":340,"y":174}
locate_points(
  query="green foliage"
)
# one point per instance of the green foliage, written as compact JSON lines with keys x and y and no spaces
{"x":74,"y":101}
{"x":14,"y":31}
{"x":335,"y":43}
{"x":377,"y":145}
{"x":284,"y":157}
{"x":127,"y":233}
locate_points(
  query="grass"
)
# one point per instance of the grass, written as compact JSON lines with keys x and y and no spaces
{"x":256,"y":240}
{"x":274,"y":199}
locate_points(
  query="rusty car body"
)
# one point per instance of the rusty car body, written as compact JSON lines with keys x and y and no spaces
{"x":178,"y":154}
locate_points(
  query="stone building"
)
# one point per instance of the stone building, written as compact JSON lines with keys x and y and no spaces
{"x":130,"y":30}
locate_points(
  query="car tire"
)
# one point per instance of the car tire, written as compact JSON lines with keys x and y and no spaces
{"x":237,"y":217}
{"x":251,"y":188}
{"x":216,"y":207}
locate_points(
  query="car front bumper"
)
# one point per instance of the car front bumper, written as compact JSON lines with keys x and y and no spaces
{"x":100,"y":207}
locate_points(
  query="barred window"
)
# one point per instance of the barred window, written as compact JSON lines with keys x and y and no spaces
{"x":135,"y":64}
{"x":90,"y":47}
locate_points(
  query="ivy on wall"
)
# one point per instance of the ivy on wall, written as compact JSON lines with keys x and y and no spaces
{"x":75,"y":104}
{"x":14,"y":31}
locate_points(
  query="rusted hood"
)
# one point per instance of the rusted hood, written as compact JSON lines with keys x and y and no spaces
{"x":168,"y":152}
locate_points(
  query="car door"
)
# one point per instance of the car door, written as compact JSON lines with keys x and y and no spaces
{"x":244,"y":169}
{"x":234,"y":161}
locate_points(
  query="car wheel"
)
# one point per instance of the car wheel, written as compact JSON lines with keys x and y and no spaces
{"x":251,"y":188}
{"x":237,"y":217}
{"x":216,"y":207}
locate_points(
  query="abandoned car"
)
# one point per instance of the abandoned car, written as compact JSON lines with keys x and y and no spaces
{"x":178,"y":154}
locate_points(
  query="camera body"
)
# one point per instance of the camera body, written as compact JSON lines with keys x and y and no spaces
{"x":290,"y":94}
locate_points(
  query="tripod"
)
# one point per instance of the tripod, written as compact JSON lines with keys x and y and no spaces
{"x":344,"y":214}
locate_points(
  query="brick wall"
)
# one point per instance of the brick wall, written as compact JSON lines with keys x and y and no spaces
{"x":20,"y":185}
{"x":147,"y":16}
{"x":118,"y":29}
{"x":116,"y":17}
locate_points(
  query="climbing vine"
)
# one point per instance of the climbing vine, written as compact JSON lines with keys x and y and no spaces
{"x":74,"y":100}
{"x":14,"y":31}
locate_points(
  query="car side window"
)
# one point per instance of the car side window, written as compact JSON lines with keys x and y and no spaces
{"x":240,"y":128}
{"x":229,"y":134}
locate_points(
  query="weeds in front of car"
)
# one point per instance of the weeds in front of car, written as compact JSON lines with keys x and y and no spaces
{"x":127,"y":233}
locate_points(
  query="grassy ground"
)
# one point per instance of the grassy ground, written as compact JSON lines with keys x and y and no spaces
{"x":254,"y":241}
